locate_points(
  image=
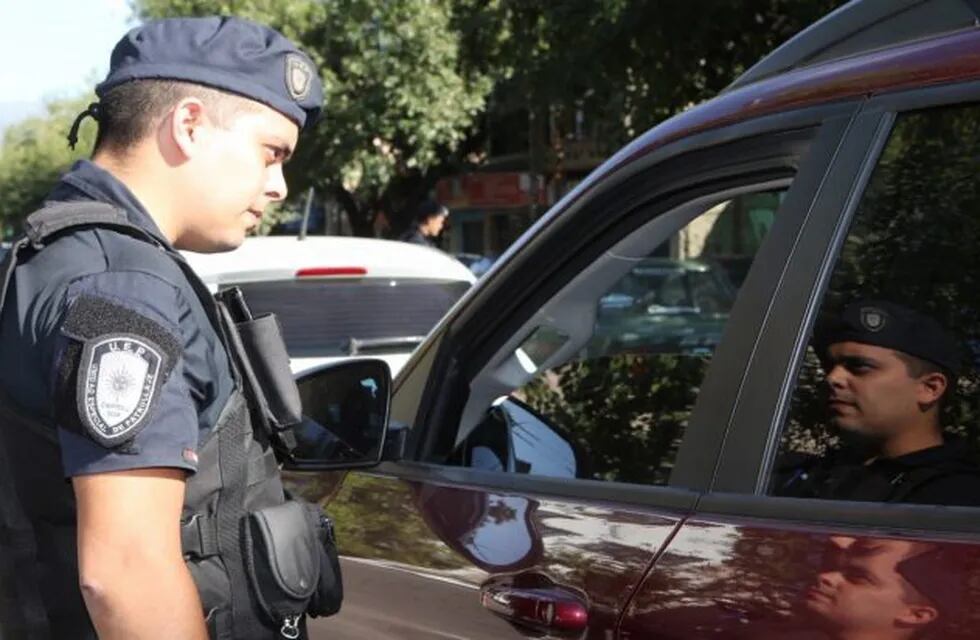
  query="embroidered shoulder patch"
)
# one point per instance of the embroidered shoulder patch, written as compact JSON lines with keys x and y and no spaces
{"x":119,"y":380}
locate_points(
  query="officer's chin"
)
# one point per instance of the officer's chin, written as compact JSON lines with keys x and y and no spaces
{"x":212,"y":244}
{"x":858,"y":440}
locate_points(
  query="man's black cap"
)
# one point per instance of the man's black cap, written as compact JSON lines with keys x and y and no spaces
{"x":885,"y":324}
{"x":225,"y":53}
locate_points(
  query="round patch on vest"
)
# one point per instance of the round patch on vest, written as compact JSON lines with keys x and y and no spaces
{"x":117,"y":386}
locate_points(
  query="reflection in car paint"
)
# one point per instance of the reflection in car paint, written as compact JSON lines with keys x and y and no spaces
{"x":445,"y":542}
{"x":754,"y":581}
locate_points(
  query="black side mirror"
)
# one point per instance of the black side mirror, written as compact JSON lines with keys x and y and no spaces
{"x":345,"y":416}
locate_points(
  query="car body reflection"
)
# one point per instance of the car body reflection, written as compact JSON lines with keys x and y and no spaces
{"x":750,"y":581}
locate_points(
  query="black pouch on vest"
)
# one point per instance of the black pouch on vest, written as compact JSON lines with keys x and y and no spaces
{"x":329,"y":592}
{"x":283,"y":559}
{"x":265,"y":361}
{"x":286,"y":558}
{"x":262,"y":339}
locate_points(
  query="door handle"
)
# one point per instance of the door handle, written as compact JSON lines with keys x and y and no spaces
{"x":547,"y":609}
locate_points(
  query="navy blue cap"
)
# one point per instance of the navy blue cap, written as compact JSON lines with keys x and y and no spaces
{"x":225,"y":53}
{"x":938,"y":575}
{"x":885,"y":324}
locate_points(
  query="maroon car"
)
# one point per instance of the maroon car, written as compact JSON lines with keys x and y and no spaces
{"x":542,"y":480}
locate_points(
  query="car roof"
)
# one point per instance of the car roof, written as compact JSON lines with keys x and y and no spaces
{"x":862,"y":26}
{"x":280,"y":257}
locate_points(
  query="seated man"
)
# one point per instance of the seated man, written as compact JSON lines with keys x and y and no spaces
{"x":889,"y":371}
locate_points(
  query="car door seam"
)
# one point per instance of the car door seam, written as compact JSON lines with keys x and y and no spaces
{"x":649,"y":569}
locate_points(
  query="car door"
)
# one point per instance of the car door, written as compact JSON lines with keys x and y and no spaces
{"x":557,"y":429}
{"x":899,"y":221}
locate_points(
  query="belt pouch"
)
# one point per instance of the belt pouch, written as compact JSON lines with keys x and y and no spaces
{"x":329,"y":592}
{"x":263,"y":343}
{"x":283,"y":558}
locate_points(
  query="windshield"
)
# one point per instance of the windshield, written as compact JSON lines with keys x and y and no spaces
{"x":322,"y":317}
{"x":665,"y":289}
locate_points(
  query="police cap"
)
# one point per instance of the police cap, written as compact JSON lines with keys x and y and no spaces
{"x":226,"y":53}
{"x":939,"y":575}
{"x":885,"y":324}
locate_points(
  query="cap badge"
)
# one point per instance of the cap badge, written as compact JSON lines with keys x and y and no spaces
{"x":872,"y":319}
{"x":299,"y":77}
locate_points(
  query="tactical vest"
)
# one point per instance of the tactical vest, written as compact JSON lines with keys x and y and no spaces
{"x":259,"y":559}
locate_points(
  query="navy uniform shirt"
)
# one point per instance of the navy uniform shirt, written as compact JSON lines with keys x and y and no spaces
{"x":945,"y":474}
{"x":121,"y":282}
{"x":415,"y":236}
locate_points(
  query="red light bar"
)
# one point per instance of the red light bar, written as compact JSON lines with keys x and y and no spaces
{"x":325,"y":272}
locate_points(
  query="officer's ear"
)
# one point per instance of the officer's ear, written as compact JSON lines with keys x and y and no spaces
{"x":917,"y":615}
{"x":186,"y":127}
{"x":932,"y":386}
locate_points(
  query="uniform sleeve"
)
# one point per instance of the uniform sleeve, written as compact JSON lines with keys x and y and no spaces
{"x":120,"y":397}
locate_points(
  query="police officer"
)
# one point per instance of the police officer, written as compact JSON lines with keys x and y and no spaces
{"x":430,"y":218}
{"x":889,"y":371}
{"x":127,"y":418}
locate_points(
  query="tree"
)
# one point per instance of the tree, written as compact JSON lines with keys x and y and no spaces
{"x":34,"y":153}
{"x":396,"y":98}
{"x":418,"y":88}
{"x":611,"y":69}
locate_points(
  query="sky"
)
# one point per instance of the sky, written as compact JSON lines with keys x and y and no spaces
{"x":53,"y":49}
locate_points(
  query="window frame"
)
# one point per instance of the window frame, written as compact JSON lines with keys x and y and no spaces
{"x":739,"y":487}
{"x":467,"y":335}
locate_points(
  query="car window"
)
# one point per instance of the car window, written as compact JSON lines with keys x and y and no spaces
{"x":604,"y":389}
{"x":900,"y":311}
{"x":321,"y":317}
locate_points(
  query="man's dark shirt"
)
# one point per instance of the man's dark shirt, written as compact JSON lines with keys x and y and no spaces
{"x":415,"y":236}
{"x":940,"y":475}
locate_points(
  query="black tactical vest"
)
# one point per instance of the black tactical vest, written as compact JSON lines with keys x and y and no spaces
{"x":238,"y":528}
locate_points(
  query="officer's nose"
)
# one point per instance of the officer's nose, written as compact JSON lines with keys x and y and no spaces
{"x":837,"y":376}
{"x":275,"y":186}
{"x":829,"y":579}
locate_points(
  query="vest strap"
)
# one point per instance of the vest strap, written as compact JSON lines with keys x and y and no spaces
{"x":199,"y":536}
{"x":59,"y":216}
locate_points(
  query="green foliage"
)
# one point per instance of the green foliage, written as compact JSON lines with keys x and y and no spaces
{"x":33,"y":155}
{"x":620,"y":65}
{"x":626,"y":411}
{"x":416,"y":88}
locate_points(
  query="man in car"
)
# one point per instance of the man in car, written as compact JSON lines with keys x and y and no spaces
{"x":889,"y":372}
{"x":430,"y":218}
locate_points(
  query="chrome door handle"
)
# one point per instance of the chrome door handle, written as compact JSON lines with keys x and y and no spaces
{"x":547,"y":609}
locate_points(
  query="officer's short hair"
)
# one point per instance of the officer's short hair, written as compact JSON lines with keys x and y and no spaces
{"x":917,"y":367}
{"x":130,"y":111}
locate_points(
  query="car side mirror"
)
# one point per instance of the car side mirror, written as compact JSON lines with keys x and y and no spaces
{"x":345,"y":416}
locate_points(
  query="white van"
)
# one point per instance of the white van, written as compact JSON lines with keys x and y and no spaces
{"x":340,"y":297}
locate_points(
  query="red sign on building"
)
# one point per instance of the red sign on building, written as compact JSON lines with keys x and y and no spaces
{"x":499,"y":190}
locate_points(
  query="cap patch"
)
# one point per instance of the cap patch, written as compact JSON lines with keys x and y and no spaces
{"x":873,"y":319}
{"x":299,"y":77}
{"x":119,"y":383}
